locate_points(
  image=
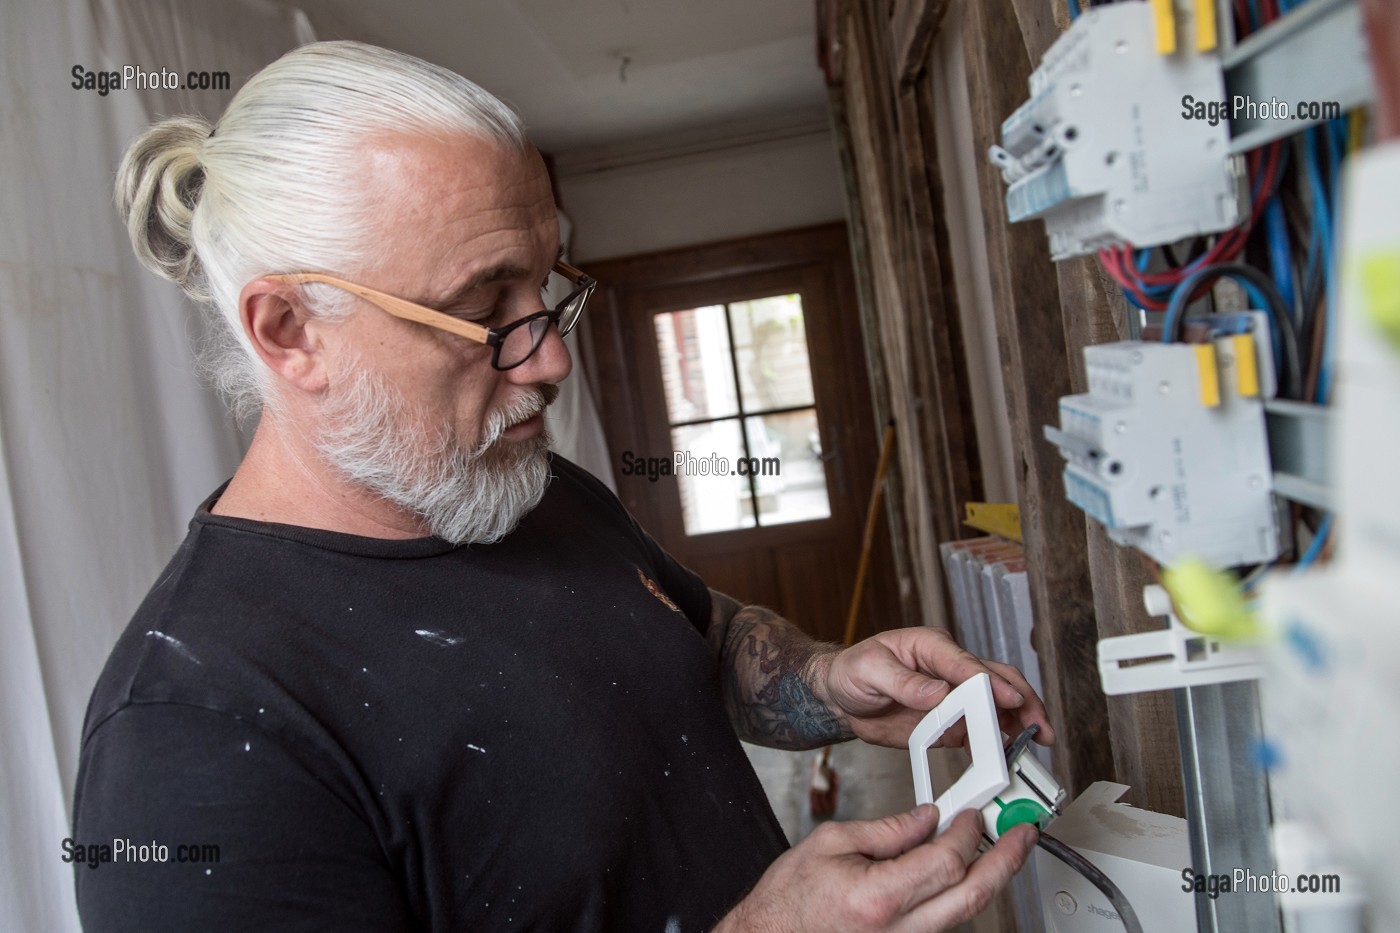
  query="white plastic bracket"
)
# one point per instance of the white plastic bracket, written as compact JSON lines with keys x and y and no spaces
{"x":987,"y":775}
{"x":1175,"y":656}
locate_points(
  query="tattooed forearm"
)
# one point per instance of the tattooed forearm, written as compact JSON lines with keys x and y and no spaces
{"x":767,"y":668}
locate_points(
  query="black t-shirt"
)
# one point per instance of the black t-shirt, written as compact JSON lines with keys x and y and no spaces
{"x":408,"y":735}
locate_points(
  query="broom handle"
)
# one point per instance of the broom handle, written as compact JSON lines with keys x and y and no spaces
{"x":868,"y":544}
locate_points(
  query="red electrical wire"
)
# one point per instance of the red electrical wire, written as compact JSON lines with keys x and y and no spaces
{"x":1242,"y":17}
{"x":1117,"y":261}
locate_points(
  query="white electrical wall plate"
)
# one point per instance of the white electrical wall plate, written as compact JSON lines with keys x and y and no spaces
{"x":1173,"y":657}
{"x":1021,"y":791}
{"x":1106,"y":151}
{"x":1168,"y":448}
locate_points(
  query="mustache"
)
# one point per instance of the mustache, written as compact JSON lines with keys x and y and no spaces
{"x":530,"y":403}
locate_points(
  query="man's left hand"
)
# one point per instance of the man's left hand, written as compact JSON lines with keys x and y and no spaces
{"x":882,"y":687}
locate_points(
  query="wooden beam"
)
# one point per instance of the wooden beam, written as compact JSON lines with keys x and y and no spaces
{"x":874,"y":358}
{"x":936,"y":322}
{"x":1035,"y":369}
{"x":1142,"y":727}
{"x":873,"y":137}
{"x":914,"y":25}
{"x":965,"y":467}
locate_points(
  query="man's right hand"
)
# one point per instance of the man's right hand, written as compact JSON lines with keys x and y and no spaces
{"x":888,"y":874}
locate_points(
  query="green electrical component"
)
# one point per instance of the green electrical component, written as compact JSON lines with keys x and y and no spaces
{"x":1020,"y":811}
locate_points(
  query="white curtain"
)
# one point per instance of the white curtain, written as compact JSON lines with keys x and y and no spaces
{"x":107,"y":441}
{"x":575,"y":429}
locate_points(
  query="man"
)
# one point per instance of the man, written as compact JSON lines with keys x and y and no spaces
{"x":409,"y":671}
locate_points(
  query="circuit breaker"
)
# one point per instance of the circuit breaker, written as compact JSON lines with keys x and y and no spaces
{"x":1106,"y":150}
{"x":1168,"y":448}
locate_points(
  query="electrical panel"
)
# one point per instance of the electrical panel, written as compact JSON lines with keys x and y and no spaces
{"x":1168,"y":447}
{"x":1107,"y":150}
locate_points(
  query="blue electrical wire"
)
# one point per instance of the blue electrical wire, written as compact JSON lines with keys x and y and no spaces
{"x":1280,"y":252}
{"x":1280,"y":248}
{"x":1315,"y":547}
{"x":1073,"y":7}
{"x":1256,"y":300}
{"x":1326,"y":202}
{"x":1290,"y":370}
{"x":1143,"y":257}
{"x":1323,"y":221}
{"x":1316,"y":240}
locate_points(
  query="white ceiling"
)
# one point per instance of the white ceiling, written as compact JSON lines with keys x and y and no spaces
{"x":689,"y":64}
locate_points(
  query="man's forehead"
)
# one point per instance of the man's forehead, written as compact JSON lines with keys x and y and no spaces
{"x":425,"y":172}
{"x":459,"y":201}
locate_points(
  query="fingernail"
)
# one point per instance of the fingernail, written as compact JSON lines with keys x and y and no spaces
{"x":924,"y":811}
{"x":1018,"y":698}
{"x":932,"y":687}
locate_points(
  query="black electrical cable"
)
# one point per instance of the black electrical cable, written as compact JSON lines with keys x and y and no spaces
{"x":1278,"y":311}
{"x":1098,"y":879}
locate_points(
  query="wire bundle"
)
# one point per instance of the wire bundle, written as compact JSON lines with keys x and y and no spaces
{"x":1287,"y":208}
{"x":1150,"y":291}
{"x":1283,"y":255}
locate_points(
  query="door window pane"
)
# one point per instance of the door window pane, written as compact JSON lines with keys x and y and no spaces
{"x":788,"y":477}
{"x":770,"y":342}
{"x":714,"y":500}
{"x":696,"y":368}
{"x":740,"y":404}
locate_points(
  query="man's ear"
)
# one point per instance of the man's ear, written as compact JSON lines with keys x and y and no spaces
{"x":276,"y":323}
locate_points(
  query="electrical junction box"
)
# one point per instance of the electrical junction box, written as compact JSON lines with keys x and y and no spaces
{"x":1168,"y":448}
{"x":1142,"y":851}
{"x":1105,"y":150}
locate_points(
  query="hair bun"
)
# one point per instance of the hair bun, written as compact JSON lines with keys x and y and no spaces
{"x":158,"y":186}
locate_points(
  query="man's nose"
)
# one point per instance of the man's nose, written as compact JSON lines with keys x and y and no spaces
{"x":551,"y":362}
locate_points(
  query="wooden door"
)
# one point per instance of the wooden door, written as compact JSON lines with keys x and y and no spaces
{"x":745,"y":358}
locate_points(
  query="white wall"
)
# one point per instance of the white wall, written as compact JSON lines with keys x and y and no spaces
{"x":640,"y":206}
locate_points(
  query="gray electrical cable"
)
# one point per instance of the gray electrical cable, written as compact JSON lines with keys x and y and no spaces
{"x":1098,"y":879}
{"x":1071,"y":856}
{"x":1020,"y":742}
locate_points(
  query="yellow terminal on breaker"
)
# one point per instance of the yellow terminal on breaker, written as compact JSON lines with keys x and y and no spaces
{"x":1205,"y":25}
{"x":1164,"y":16}
{"x":1246,"y":365}
{"x":1208,"y":374}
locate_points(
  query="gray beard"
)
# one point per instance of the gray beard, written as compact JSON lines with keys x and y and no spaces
{"x":465,"y":495}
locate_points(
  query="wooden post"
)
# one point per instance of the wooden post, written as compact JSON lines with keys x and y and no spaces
{"x":1142,"y":727}
{"x":1035,"y":369}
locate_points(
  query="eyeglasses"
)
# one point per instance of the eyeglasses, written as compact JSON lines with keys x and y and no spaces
{"x":512,"y":345}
